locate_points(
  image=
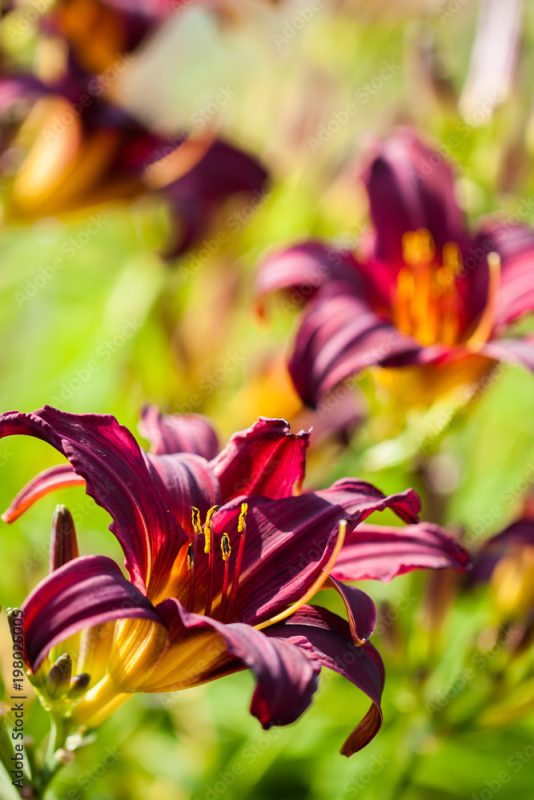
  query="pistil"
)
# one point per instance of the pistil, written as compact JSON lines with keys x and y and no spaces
{"x":484,"y":326}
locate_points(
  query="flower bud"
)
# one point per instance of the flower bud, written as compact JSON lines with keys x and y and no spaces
{"x":78,"y":685}
{"x":59,"y":677}
{"x":64,"y":545}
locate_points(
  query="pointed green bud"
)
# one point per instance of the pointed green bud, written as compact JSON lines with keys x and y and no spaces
{"x":58,"y":680}
{"x":78,"y":685}
{"x":64,"y":544}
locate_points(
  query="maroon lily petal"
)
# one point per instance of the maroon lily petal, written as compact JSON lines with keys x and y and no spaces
{"x":266,"y":459}
{"x":303,"y":268}
{"x":514,"y":244}
{"x":49,"y":480}
{"x":516,"y":536}
{"x":411,"y":186}
{"x":190,"y":482}
{"x":373,"y":552}
{"x":223,"y":172}
{"x":330,"y":638}
{"x":339,"y":336}
{"x":361,"y":610}
{"x":305,"y":530}
{"x":85,"y":592}
{"x":512,"y":351}
{"x":288,"y":547}
{"x":178,"y":433}
{"x":286,"y":674}
{"x":20,"y":86}
{"x":119,"y":479}
{"x":359,"y":499}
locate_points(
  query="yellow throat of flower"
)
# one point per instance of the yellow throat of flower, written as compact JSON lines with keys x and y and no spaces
{"x":427,"y":305}
{"x":426,"y":302}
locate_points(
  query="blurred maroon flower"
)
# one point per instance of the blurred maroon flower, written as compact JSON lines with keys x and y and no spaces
{"x":424,"y":292}
{"x":86,"y":150}
{"x":506,"y":562}
{"x":223,"y":555}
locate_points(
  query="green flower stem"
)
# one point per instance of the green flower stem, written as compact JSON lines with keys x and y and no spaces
{"x":53,"y":762}
{"x":7,"y":752}
{"x":6,"y":746}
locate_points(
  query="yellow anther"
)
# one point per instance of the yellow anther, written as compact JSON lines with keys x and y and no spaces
{"x":210,"y":514}
{"x":242,"y":521}
{"x":409,"y":248}
{"x":418,"y":247}
{"x":226,"y":548}
{"x":452,"y":258}
{"x":426,"y":250}
{"x":208,"y":528}
{"x":195,"y":520}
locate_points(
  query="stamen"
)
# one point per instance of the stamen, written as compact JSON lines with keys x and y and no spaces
{"x":208,"y":530}
{"x":242,"y":521}
{"x":418,"y":247}
{"x":226,"y":551}
{"x":241,"y":529}
{"x":426,"y":302}
{"x":195,"y":520}
{"x":403,"y":301}
{"x":191,"y":568}
{"x":226,"y":547}
{"x":483,"y":328}
{"x":452,"y":258}
{"x":208,"y":549}
{"x":190,"y":557}
{"x":423,"y":308}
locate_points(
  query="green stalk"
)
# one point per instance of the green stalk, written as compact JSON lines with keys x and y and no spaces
{"x":59,"y":732}
{"x":6,"y":746}
{"x":6,"y":753}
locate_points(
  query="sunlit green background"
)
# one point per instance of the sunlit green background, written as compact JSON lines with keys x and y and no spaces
{"x":92,"y":320}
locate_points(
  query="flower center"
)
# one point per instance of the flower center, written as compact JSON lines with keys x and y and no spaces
{"x":213,"y":573}
{"x":426,"y":305}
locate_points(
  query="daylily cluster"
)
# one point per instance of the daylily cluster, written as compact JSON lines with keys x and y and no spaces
{"x":223,"y":552}
{"x":424,"y":292}
{"x":79,"y":147}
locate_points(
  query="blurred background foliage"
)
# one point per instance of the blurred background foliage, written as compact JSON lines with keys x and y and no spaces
{"x":93,"y":320}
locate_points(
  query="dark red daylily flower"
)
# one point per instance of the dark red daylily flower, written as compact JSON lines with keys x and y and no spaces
{"x":506,"y":562}
{"x":425,"y":290}
{"x":99,"y":32}
{"x":223,"y":554}
{"x":86,"y":150}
